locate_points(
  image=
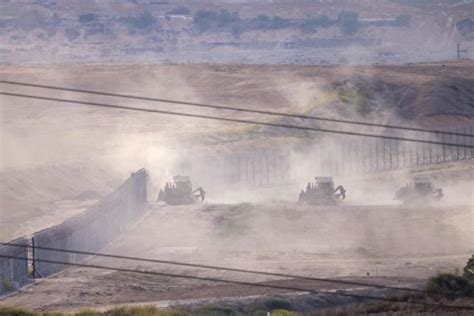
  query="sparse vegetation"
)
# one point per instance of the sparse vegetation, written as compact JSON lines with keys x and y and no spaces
{"x":357,"y":98}
{"x":205,"y":20}
{"x":143,"y":22}
{"x":214,"y":311}
{"x":468,"y":271}
{"x":149,"y":310}
{"x":452,"y":284}
{"x":179,"y":11}
{"x":265,"y":22}
{"x":348,"y":22}
{"x":449,"y":284}
{"x":277,"y":304}
{"x":281,"y":312}
{"x":145,"y":310}
{"x":86,"y":18}
{"x":426,"y":3}
{"x":225,"y":21}
{"x":15,"y":311}
{"x":7,"y":285}
{"x":88,"y":312}
{"x":310,"y":25}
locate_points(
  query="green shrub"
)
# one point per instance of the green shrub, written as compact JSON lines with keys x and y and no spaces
{"x":214,"y":311}
{"x":16,"y":311}
{"x":205,"y":20}
{"x":359,"y":99}
{"x":145,"y":310}
{"x":348,"y":22}
{"x":88,"y":312}
{"x":282,"y":312}
{"x":468,"y":271}
{"x":450,"y":284}
{"x":257,"y":313}
{"x":7,"y":285}
{"x":277,"y":304}
{"x":87,"y":17}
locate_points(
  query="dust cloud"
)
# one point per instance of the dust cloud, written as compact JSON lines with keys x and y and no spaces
{"x":257,"y":222}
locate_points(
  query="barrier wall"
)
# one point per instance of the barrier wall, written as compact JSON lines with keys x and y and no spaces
{"x":344,"y":156}
{"x":92,"y":229}
{"x":13,"y":272}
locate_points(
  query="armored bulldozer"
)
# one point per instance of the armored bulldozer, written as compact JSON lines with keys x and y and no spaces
{"x":322,"y":192}
{"x":420,"y":191}
{"x":180,"y":192}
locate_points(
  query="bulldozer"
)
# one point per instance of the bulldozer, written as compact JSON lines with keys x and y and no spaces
{"x":180,"y":192}
{"x":420,"y":191}
{"x":322,"y":192}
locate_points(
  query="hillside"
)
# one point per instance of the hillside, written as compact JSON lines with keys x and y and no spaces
{"x":257,"y":32}
{"x":419,"y":95}
{"x":55,"y":155}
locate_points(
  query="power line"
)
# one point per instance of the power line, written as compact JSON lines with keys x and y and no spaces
{"x":289,"y":288}
{"x":221,"y":107}
{"x":194,"y":265}
{"x":217,"y":118}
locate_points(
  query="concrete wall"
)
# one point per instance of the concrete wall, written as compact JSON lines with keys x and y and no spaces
{"x":93,"y":229}
{"x":13,"y":272}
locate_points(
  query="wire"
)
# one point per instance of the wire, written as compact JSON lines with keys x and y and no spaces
{"x":358,"y":296}
{"x":216,"y":118}
{"x":220,"y":107}
{"x":222,"y":268}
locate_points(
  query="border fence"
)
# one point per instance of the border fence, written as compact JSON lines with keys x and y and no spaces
{"x":356,"y":156}
{"x":88,"y":231}
{"x":13,"y":272}
{"x":342,"y":156}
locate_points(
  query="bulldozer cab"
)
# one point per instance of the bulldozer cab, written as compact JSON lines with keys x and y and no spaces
{"x":325,"y":184}
{"x":423,"y":185}
{"x":182,"y":185}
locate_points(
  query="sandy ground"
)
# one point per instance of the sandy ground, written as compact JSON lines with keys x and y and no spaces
{"x":37,"y":197}
{"x":395,"y":245}
{"x":57,"y":160}
{"x":52,"y":153}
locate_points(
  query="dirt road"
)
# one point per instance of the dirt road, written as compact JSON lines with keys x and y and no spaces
{"x":394,"y":245}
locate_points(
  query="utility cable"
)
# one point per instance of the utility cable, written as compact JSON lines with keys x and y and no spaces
{"x":209,"y":279}
{"x":217,"y":118}
{"x":231,"y":108}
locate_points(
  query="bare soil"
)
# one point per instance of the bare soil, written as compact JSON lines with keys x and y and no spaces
{"x":394,"y":246}
{"x":57,"y":160}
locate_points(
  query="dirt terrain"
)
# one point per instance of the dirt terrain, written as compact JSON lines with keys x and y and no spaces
{"x":36,"y":197}
{"x":425,"y":94}
{"x":57,"y":160}
{"x":46,"y":175}
{"x":397,"y":246}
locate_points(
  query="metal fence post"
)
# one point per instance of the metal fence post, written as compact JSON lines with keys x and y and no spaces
{"x":33,"y":258}
{"x":472,"y":142}
{"x":443,"y":138}
{"x":464,"y":142}
{"x":457,"y":145}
